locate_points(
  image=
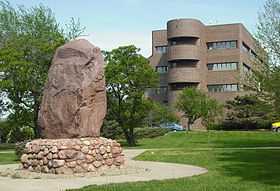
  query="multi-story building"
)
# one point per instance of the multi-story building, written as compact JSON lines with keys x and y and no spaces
{"x":212,"y":58}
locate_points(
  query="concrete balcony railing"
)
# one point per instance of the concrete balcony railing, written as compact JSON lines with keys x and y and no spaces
{"x":187,"y":74}
{"x":183,"y":52}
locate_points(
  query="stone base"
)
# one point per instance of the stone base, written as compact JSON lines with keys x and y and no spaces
{"x":68,"y":156}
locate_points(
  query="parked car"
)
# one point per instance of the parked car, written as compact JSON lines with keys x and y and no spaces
{"x":276,"y":127}
{"x":172,"y":126}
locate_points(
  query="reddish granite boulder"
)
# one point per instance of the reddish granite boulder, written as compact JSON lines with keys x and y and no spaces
{"x":74,"y":98}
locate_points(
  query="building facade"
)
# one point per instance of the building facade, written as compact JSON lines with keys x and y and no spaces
{"x":212,"y":58}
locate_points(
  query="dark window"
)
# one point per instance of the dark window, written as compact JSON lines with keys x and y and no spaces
{"x":162,"y":69}
{"x":163,"y":90}
{"x":223,"y":88}
{"x":180,"y":86}
{"x":245,"y":47}
{"x":233,"y":44}
{"x":184,"y":40}
{"x":253,"y":54}
{"x":222,"y":45}
{"x":183,"y":64}
{"x":246,"y":69}
{"x":161,"y":49}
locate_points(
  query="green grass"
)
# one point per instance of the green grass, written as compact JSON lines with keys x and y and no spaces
{"x":213,"y":139}
{"x":8,"y":158}
{"x":229,"y":169}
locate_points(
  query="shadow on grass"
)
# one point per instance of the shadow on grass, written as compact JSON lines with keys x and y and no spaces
{"x":245,"y":143}
{"x":261,"y":166}
{"x":244,"y":139}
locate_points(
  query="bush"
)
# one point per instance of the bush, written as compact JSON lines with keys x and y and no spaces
{"x":4,"y":131}
{"x":10,"y":133}
{"x":111,"y":129}
{"x":20,"y":134}
{"x":147,"y":132}
{"x":231,"y":125}
{"x":7,"y":146}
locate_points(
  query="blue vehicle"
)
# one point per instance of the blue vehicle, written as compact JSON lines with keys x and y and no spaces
{"x":172,"y":126}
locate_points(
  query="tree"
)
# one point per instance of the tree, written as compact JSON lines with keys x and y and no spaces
{"x":160,"y":114}
{"x":28,"y":40}
{"x":194,"y":104}
{"x":128,"y":75}
{"x":268,"y":33}
{"x":249,"y":112}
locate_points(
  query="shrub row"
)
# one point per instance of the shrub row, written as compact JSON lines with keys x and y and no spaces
{"x":241,"y":125}
{"x":148,"y":132}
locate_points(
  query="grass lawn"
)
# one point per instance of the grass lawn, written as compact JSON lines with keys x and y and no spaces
{"x":7,"y":154}
{"x":230,"y":168}
{"x":8,"y":158}
{"x":213,"y":139}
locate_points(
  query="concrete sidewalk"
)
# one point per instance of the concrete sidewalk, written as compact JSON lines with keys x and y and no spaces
{"x":151,"y":171}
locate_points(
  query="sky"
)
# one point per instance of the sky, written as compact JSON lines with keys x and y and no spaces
{"x":113,"y":23}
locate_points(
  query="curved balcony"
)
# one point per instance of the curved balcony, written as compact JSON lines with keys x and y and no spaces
{"x":177,"y":75}
{"x":183,"y":52}
{"x":184,"y":28}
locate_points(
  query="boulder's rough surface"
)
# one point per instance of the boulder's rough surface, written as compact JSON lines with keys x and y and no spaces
{"x":74,"y":98}
{"x":68,"y":156}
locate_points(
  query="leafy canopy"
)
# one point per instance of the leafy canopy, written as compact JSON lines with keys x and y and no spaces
{"x":28,"y":40}
{"x":128,"y":75}
{"x":268,"y":34}
{"x":195,"y":104}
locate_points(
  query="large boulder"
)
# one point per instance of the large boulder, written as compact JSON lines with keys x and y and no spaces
{"x":74,"y":98}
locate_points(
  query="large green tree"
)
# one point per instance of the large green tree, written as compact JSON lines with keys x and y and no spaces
{"x":249,"y":112}
{"x":128,"y":75}
{"x":28,"y":40}
{"x":268,"y":33}
{"x":195,"y":104}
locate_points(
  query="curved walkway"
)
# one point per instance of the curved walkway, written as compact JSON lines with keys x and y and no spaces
{"x":151,"y":171}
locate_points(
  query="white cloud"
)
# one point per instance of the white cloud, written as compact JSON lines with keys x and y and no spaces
{"x":111,"y":40}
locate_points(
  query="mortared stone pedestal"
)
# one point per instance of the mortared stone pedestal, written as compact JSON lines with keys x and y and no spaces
{"x":68,"y":156}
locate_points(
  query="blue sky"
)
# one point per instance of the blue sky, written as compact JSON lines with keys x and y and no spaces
{"x":111,"y":23}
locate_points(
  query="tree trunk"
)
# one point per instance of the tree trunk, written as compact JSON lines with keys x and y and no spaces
{"x":37,"y":129}
{"x":189,"y":125}
{"x":129,"y":135}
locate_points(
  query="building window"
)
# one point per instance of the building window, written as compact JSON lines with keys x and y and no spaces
{"x":223,"y":88}
{"x":253,"y":54}
{"x":184,"y":40}
{"x":222,"y":66}
{"x":161,"y":49}
{"x":245,"y":48}
{"x":222,"y":45}
{"x":163,"y":90}
{"x":246,"y":69}
{"x":180,"y":86}
{"x":162,"y":69}
{"x":183,"y":64}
